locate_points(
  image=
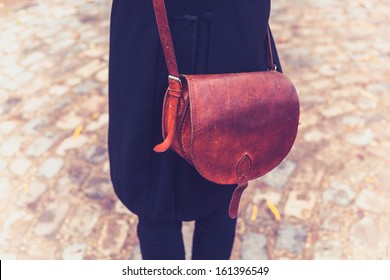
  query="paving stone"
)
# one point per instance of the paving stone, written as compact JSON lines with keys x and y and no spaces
{"x":356,"y":169}
{"x":30,"y":196}
{"x":121,"y":209}
{"x":136,"y":253}
{"x":309,"y":173}
{"x":65,"y":187}
{"x":35,"y":125}
{"x":86,"y":87}
{"x":58,"y":90}
{"x":50,"y":167}
{"x":11,"y":146}
{"x":43,"y":65}
{"x":6,"y":127}
{"x":366,"y":104}
{"x":381,"y":87}
{"x":32,"y":58}
{"x":97,"y":188}
{"x":8,"y":105}
{"x":3,"y":164}
{"x":383,"y":176}
{"x":69,"y":121}
{"x":51,"y":219}
{"x":87,"y":70}
{"x":4,"y":187}
{"x":96,"y":154}
{"x":78,"y":174}
{"x":373,"y":201}
{"x":310,"y":100}
{"x":102,"y":75}
{"x":339,"y":193}
{"x":99,"y":123}
{"x":106,"y":167}
{"x":291,"y":238}
{"x":19,"y":82}
{"x":188,"y":233}
{"x":339,"y":108}
{"x":254,"y":246}
{"x":36,"y":86}
{"x":59,"y":45}
{"x":362,"y":138}
{"x":328,"y":250}
{"x":20,"y":166}
{"x":94,"y":52}
{"x":329,"y":69}
{"x":104,"y":90}
{"x":13,"y":70}
{"x":72,"y":81}
{"x":7,"y":256}
{"x":35,"y":103}
{"x":84,"y":220}
{"x":112,"y":237}
{"x":331,"y":220}
{"x":70,"y":143}
{"x":258,"y":215}
{"x":300,"y":204}
{"x":279,"y":177}
{"x":14,"y":227}
{"x":75,"y":251}
{"x":41,"y":145}
{"x":345,"y":92}
{"x":60,"y":107}
{"x":308,"y":119}
{"x":354,"y":121}
{"x":364,"y":236}
{"x":3,"y":92}
{"x":316,"y":135}
{"x":259,"y":194}
{"x":38,"y":251}
{"x":94,"y":104}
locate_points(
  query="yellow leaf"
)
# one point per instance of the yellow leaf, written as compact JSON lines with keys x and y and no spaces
{"x":254,"y":212}
{"x":94,"y":116}
{"x":77,"y":131}
{"x":274,"y":210}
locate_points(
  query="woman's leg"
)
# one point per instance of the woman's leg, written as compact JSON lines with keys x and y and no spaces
{"x":214,"y":235}
{"x":160,"y":241}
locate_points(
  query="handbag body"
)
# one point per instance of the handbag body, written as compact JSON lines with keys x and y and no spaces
{"x":231,"y":127}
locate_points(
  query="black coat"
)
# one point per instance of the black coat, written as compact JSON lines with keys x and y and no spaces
{"x":209,"y":36}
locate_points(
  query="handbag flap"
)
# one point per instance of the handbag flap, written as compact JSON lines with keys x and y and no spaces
{"x":233,"y":115}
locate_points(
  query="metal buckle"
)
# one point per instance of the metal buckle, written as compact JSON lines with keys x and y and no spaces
{"x":175,"y":79}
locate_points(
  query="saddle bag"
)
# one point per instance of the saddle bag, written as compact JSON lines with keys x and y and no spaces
{"x":231,"y":127}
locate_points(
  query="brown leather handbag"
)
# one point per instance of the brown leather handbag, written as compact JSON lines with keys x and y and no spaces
{"x":231,"y":127}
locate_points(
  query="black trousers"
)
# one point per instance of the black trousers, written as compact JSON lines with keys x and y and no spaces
{"x":213,"y":238}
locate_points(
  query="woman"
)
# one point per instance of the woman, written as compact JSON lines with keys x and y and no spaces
{"x":209,"y":36}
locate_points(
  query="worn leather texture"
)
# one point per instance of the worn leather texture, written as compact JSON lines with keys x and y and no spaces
{"x":222,"y":117}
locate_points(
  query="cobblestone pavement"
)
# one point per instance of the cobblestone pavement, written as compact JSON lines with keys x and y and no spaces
{"x":332,"y":192}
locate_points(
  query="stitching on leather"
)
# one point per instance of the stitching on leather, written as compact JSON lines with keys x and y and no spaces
{"x":247,"y":174}
{"x":185,"y":152}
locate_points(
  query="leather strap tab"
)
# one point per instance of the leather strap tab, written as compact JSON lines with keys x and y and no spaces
{"x":174,"y":93}
{"x":243,"y":171}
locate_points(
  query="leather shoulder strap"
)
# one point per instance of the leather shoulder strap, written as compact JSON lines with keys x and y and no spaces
{"x":165,"y":37}
{"x":167,"y":44}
